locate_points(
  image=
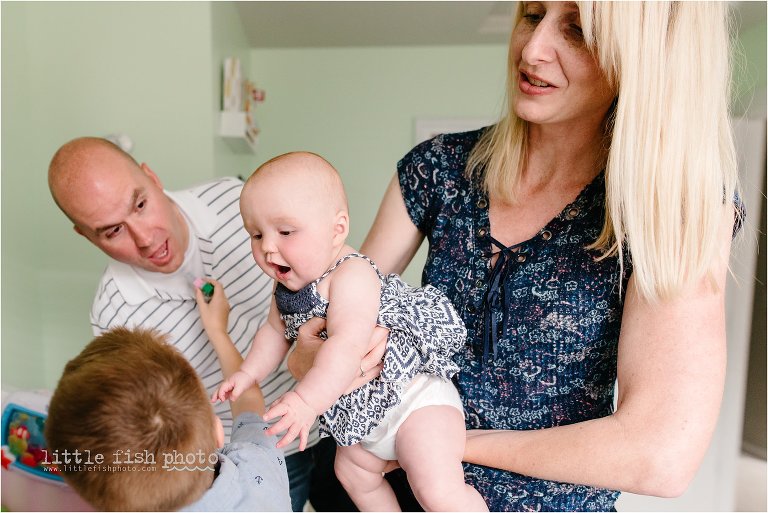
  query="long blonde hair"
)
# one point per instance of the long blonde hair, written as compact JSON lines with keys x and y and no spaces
{"x":671,"y":171}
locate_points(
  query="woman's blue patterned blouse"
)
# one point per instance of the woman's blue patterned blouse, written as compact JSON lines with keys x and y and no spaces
{"x":542,"y":347}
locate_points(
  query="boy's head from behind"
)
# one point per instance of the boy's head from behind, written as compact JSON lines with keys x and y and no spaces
{"x":130,"y":395}
{"x":295,"y":209}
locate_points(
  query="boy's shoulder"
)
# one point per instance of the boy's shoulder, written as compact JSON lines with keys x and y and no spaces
{"x":251,"y":473}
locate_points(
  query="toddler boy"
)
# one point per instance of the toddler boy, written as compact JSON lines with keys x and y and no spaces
{"x":142,"y":424}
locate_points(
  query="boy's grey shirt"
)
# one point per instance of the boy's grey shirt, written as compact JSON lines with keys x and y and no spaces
{"x":252,"y":474}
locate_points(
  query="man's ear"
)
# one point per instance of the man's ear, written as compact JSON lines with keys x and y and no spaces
{"x":151,"y":174}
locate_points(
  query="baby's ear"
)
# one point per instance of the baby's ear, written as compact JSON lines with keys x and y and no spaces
{"x":341,"y":227}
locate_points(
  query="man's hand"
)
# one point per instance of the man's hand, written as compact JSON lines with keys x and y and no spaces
{"x":297,"y":419}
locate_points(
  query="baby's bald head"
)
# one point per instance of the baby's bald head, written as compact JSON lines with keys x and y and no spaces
{"x":295,"y":211}
{"x":307,"y":176}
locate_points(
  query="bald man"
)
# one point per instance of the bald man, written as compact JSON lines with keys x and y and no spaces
{"x":158,"y":243}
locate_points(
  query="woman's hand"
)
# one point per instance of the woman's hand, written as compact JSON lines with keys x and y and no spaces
{"x":472,"y":433}
{"x":371,"y":365}
{"x":308,"y":343}
{"x":472,"y":445}
{"x":215,"y":313}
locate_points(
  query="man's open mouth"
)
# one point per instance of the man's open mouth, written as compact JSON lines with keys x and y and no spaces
{"x":160,"y":254}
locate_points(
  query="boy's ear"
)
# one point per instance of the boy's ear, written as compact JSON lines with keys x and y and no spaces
{"x":219,"y":427}
{"x":341,"y":227}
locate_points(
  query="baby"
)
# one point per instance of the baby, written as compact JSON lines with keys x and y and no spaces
{"x":295,"y":210}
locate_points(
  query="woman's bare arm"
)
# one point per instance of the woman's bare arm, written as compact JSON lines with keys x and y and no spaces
{"x":671,"y":372}
{"x":393,"y":239}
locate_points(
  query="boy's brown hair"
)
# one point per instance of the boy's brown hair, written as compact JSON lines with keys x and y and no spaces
{"x":130,"y":391}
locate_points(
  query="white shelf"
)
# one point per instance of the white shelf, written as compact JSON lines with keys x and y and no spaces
{"x":233,"y":127}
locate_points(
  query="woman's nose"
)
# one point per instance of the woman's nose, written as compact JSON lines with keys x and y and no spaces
{"x":540,"y":48}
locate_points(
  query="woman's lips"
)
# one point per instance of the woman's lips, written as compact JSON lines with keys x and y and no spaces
{"x":526,"y":87}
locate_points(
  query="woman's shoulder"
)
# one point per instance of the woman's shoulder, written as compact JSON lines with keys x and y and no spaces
{"x":443,"y":157}
{"x":432,"y":175}
{"x":445,"y":147}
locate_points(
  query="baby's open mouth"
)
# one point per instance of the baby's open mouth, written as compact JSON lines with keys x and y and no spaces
{"x":280,"y":269}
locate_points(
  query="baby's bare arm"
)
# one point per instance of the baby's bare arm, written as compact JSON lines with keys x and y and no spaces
{"x":269,"y":347}
{"x":353,"y":308}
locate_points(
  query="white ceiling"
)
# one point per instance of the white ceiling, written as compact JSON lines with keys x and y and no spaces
{"x":302,"y":24}
{"x":281,"y":24}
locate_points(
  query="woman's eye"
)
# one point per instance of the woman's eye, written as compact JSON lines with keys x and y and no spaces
{"x":141,"y":204}
{"x":533,"y":18}
{"x":285,"y":233}
{"x":257,"y":236}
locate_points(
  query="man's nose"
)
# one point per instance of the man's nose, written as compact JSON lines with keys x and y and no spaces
{"x":142,"y":235}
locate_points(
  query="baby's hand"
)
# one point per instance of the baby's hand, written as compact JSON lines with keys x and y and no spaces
{"x":297,"y":419}
{"x":214,"y":313}
{"x":233,"y":387}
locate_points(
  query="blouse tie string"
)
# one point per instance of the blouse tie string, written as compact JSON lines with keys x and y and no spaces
{"x":496,"y":300}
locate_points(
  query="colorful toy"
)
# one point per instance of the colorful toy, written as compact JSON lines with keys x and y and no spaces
{"x":30,"y":482}
{"x":23,"y":440}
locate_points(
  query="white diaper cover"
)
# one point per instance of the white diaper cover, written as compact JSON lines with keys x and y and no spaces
{"x":423,"y":390}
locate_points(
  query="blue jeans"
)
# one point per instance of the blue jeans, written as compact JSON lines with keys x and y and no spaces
{"x":299,"y":468}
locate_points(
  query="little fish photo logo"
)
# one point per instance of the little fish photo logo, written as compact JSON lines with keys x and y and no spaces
{"x":124,"y":460}
{"x":86,"y":460}
{"x":191,"y":461}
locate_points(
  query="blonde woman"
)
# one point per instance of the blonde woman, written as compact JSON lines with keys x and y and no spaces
{"x":584,"y":239}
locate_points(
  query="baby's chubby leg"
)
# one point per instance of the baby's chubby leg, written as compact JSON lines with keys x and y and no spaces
{"x":430,"y":446}
{"x":361,"y":474}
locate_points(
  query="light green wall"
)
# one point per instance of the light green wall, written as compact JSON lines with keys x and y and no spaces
{"x":153,"y":71}
{"x":749,"y":72}
{"x":90,"y":68}
{"x":754,"y":83}
{"x":357,"y":108}
{"x":22,"y":354}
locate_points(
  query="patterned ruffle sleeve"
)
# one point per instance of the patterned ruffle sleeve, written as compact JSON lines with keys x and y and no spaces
{"x":418,"y":178}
